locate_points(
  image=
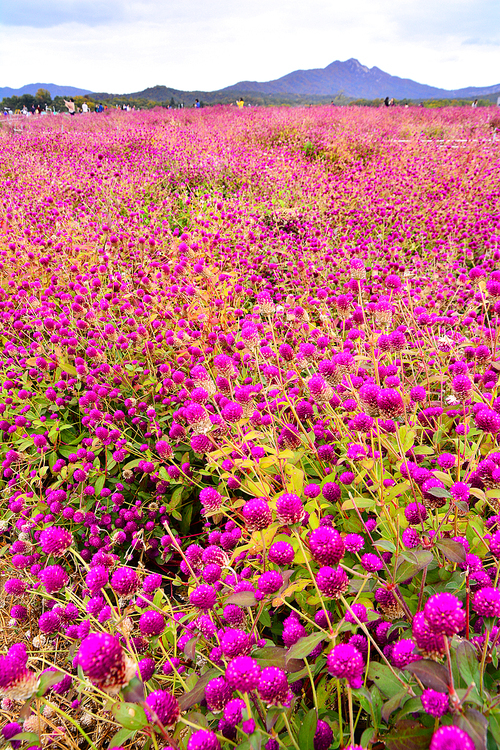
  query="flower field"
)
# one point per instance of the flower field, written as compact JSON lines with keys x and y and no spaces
{"x":249,"y":415}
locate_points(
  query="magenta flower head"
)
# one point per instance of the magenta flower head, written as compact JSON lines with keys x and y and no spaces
{"x":444,"y":614}
{"x":10,"y":730}
{"x":151,"y":583}
{"x":430,"y":643}
{"x":403,"y":653}
{"x":270,"y":582}
{"x":281,"y":553}
{"x":451,"y":738}
{"x":62,"y":687}
{"x":210,"y":499}
{"x":345,"y":661}
{"x":104,"y":662}
{"x":487,"y":602}
{"x":434,"y":703}
{"x":54,"y":578}
{"x":326,"y":545}
{"x":151,"y":622}
{"x":203,"y":740}
{"x":323,"y":736}
{"x":235,"y":642}
{"x":16,"y":680}
{"x":332,"y":581}
{"x":162,"y":706}
{"x":55,"y":540}
{"x":289,"y":509}
{"x":243,"y":673}
{"x":218,"y":693}
{"x":204,"y":597}
{"x":257,"y":514}
{"x":125,"y":581}
{"x":97,"y":578}
{"x":15,"y":587}
{"x":273,"y":686}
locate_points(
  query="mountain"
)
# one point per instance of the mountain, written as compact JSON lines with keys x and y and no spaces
{"x":345,"y":80}
{"x":356,"y":81}
{"x":54,"y":88}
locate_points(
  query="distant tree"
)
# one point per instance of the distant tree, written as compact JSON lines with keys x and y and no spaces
{"x":43,"y":96}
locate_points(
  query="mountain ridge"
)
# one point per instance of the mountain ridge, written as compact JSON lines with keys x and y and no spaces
{"x":348,"y":78}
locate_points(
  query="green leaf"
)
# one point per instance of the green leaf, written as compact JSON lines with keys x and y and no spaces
{"x":198,"y":692}
{"x":120,"y":737}
{"x":48,"y":679}
{"x":467,"y":663}
{"x":494,"y":718}
{"x":439,"y":492}
{"x":307,"y":730}
{"x":384,"y":679}
{"x":129,"y":715}
{"x":305,"y":645}
{"x":393,"y":703}
{"x":274,"y":656}
{"x":186,"y":518}
{"x":414,"y":705}
{"x":134,"y":691}
{"x":430,"y":674}
{"x":30,"y":737}
{"x":408,"y":734}
{"x":476,"y":725}
{"x":420,"y":559}
{"x":406,"y":438}
{"x":453,"y":551}
{"x":242,"y":599}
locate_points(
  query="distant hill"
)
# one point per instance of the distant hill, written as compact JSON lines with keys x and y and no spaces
{"x":343,"y":81}
{"x":356,"y":81}
{"x":32,"y":88}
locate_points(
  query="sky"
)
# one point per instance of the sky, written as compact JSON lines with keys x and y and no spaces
{"x":122,"y":46}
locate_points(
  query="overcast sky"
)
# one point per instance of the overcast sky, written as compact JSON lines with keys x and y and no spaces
{"x":122,"y":46}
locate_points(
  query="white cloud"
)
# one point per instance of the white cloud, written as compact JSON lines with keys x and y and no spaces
{"x":194,"y":44}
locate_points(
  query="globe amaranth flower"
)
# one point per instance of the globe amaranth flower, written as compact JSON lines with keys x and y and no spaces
{"x":435,"y":703}
{"x":451,"y":738}
{"x":55,"y":540}
{"x":14,"y":587}
{"x":10,"y":730}
{"x":281,"y":553}
{"x":415,"y":513}
{"x":104,"y":662}
{"x":345,"y":661}
{"x":151,"y":622}
{"x":243,"y":673}
{"x":97,"y":578}
{"x":146,"y":669}
{"x":444,"y":614}
{"x":323,"y":736}
{"x":50,"y":622}
{"x":151,"y":583}
{"x":233,"y":614}
{"x":289,"y":509}
{"x":162,"y":706}
{"x":125,"y":581}
{"x":233,"y":711}
{"x":429,"y":642}
{"x":257,"y":514}
{"x":487,"y":602}
{"x":403,"y":653}
{"x":218,"y":693}
{"x":204,"y":597}
{"x":210,"y":499}
{"x":16,"y":680}
{"x":356,"y":613}
{"x":332,"y":582}
{"x":293,"y":631}
{"x":203,"y":740}
{"x":273,"y":686}
{"x":270,"y":582}
{"x":354,"y":542}
{"x":326,"y":545}
{"x":54,"y":578}
{"x":235,"y":642}
{"x":371,"y":562}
